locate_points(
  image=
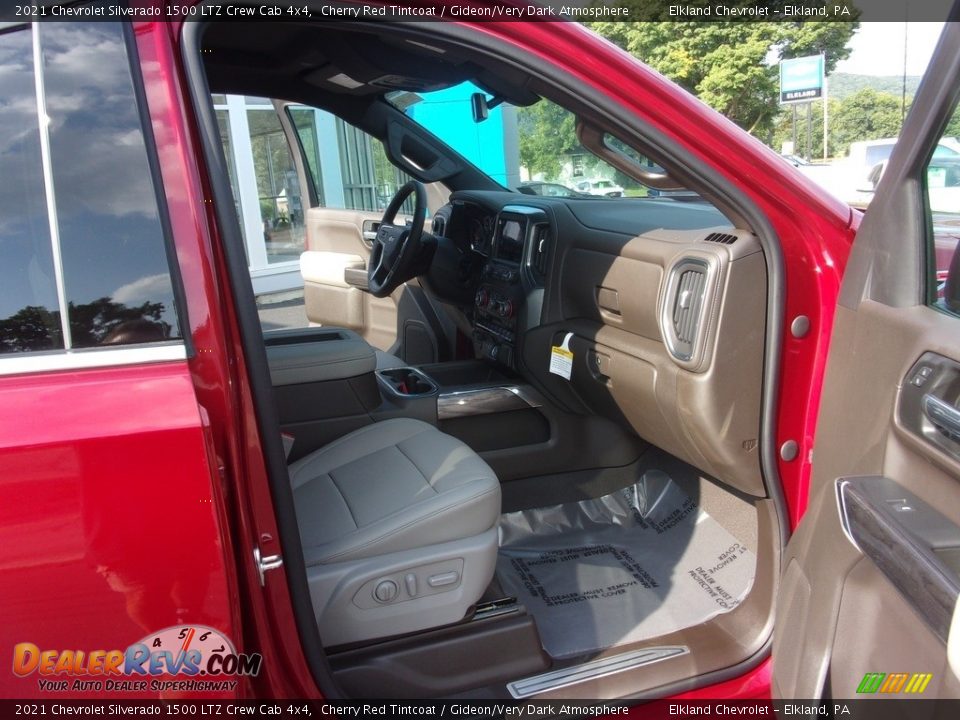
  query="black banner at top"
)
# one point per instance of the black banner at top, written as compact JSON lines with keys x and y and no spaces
{"x":482,"y":10}
{"x":189,"y":708}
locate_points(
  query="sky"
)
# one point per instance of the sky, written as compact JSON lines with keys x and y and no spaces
{"x":878,"y":48}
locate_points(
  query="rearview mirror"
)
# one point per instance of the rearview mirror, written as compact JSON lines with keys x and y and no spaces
{"x":481,"y":107}
{"x":478,"y":104}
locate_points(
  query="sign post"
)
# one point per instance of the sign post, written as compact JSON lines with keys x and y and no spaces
{"x":802,"y":80}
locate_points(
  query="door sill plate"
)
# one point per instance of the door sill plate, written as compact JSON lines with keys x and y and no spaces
{"x":528,"y":687}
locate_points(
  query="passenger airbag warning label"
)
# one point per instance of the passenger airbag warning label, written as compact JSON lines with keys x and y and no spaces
{"x":561,"y":358}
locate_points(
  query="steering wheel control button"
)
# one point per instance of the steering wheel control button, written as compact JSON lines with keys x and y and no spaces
{"x":386,"y":591}
{"x":444,"y":579}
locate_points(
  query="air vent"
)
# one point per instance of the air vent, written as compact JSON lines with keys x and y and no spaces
{"x":723,"y":238}
{"x":439,"y":226}
{"x":541,"y":249}
{"x":687,"y":305}
{"x":687,"y":295}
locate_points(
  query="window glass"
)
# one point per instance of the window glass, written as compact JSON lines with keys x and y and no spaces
{"x":278,"y":188}
{"x":533,"y":149}
{"x":942,"y":184}
{"x":263,"y":177}
{"x":117,"y":279}
{"x":359,"y":176}
{"x":29,"y":314}
{"x":878,"y":153}
{"x":303,"y":120}
{"x":223,"y":123}
{"x":116,"y":282}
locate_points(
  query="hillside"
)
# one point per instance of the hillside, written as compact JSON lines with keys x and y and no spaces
{"x":841,"y":85}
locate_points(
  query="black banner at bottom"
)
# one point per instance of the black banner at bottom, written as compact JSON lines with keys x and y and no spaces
{"x":858,"y":709}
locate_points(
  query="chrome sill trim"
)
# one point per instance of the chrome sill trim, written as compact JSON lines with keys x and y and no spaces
{"x":485,"y":401}
{"x":528,"y":687}
{"x":28,"y":364}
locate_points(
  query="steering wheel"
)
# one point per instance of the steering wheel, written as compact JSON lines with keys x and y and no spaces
{"x":396,"y":246}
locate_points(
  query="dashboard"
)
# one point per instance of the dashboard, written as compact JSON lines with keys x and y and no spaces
{"x":511,"y":241}
{"x":661,"y":304}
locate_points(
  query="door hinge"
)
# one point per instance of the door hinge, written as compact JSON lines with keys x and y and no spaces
{"x":265,"y":563}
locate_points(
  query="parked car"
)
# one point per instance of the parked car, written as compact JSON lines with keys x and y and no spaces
{"x":599,"y":186}
{"x":548,"y":189}
{"x":849,"y":178}
{"x":537,"y":447}
{"x":795,"y":160}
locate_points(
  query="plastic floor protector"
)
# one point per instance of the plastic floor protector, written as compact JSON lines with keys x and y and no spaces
{"x":637,"y":563}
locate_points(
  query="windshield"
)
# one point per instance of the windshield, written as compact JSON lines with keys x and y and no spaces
{"x":531,"y":149}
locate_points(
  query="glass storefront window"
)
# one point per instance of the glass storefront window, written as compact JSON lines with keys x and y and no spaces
{"x":281,"y":208}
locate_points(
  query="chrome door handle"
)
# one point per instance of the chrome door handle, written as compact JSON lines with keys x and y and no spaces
{"x":942,"y":414}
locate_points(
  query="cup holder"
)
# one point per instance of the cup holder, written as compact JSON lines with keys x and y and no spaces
{"x":406,"y":382}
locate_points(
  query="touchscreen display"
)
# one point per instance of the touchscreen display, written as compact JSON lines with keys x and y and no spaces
{"x":510,"y":246}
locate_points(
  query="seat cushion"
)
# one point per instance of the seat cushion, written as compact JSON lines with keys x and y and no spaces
{"x":391,"y":486}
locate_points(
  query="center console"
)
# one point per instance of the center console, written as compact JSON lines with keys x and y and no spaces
{"x":500,"y":302}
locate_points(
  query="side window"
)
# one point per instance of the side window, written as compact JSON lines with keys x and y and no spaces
{"x":942,"y":196}
{"x":353,"y":174}
{"x":347,"y":169}
{"x":82,"y":247}
{"x":29,"y":308}
{"x":266,"y":189}
{"x":276,"y":178}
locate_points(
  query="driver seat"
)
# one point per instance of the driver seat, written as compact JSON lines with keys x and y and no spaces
{"x":398,"y":523}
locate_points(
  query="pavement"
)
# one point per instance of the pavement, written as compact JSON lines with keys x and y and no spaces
{"x":282,"y":310}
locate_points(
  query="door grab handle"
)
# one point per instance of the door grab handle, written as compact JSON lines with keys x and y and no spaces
{"x":942,"y":414}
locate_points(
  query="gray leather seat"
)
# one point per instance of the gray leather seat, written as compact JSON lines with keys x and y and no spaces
{"x":398,"y":524}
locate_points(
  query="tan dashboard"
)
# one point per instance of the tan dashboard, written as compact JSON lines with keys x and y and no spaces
{"x":668,"y":336}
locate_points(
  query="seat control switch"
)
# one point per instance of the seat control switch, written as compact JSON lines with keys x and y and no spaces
{"x":386,"y":591}
{"x":410,"y":580}
{"x":444,"y":579}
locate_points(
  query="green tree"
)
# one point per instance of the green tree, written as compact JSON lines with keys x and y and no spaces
{"x":783,"y":129}
{"x":31,"y":328}
{"x":728,"y":64}
{"x":547,"y":134}
{"x":865,"y":115}
{"x":953,"y":127}
{"x":101,"y":321}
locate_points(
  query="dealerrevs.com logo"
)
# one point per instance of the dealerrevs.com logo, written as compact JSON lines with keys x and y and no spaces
{"x":180,"y":658}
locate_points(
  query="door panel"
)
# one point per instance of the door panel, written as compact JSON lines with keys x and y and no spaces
{"x":872,"y":574}
{"x":335,"y":243}
{"x":859,"y":434}
{"x":109,"y":528}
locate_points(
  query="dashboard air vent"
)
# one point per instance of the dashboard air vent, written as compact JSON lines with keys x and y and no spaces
{"x":541,"y":249}
{"x":723,"y":238}
{"x":687,"y":305}
{"x":438,"y":226}
{"x":687,"y":296}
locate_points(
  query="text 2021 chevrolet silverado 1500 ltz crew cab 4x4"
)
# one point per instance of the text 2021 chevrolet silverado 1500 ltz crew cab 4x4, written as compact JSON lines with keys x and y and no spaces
{"x":529,"y":447}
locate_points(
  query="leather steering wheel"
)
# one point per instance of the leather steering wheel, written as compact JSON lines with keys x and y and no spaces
{"x":396,"y":246}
